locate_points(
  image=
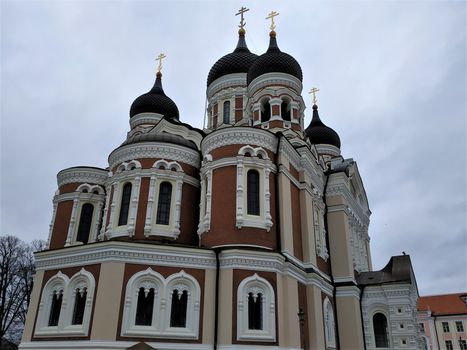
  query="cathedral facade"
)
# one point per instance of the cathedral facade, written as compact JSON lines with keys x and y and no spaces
{"x":249,"y":234}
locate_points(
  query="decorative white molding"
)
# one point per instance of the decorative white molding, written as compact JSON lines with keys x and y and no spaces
{"x":206,"y":195}
{"x":238,"y":135}
{"x":275,"y":78}
{"x":329,"y":324}
{"x":328,"y":150}
{"x":163,"y":292}
{"x":245,"y":164}
{"x":144,"y":119}
{"x":165,"y":126}
{"x":112,"y":345}
{"x":258,"y":287}
{"x":154,"y":150}
{"x":82,"y":174}
{"x":126,"y":252}
{"x":82,"y":281}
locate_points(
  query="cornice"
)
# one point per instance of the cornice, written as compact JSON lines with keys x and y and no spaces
{"x":225,"y":82}
{"x":82,"y":175}
{"x":238,"y":136}
{"x":275,"y":78}
{"x":154,"y":150}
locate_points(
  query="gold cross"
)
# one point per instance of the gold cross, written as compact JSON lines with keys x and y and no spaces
{"x":314,"y":91}
{"x":159,"y":58}
{"x":271,"y":16}
{"x":241,"y":12}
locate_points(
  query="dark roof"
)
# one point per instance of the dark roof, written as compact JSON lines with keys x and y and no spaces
{"x":160,"y":137}
{"x":398,"y":269}
{"x":444,"y":304}
{"x":155,"y":101}
{"x":319,"y":133}
{"x":7,"y":345}
{"x":239,"y":61}
{"x":274,"y":60}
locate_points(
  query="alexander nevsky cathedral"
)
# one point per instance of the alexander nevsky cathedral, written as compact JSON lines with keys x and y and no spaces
{"x":249,"y":234}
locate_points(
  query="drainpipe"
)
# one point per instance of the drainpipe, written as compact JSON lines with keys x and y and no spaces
{"x":436,"y":332}
{"x":328,"y":173}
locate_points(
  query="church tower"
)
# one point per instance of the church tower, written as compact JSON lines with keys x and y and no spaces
{"x":249,"y":234}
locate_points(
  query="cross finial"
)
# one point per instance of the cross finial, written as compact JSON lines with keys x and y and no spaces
{"x":271,"y":17}
{"x":242,"y":20}
{"x":314,"y":91}
{"x":160,"y":58}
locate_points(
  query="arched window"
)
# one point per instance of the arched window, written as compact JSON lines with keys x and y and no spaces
{"x":178,"y":310}
{"x":380,"y":329}
{"x":284,"y":112}
{"x":84,"y":227}
{"x":125,"y":205}
{"x":226,"y":114}
{"x":255,"y":311}
{"x":163,"y":206}
{"x":329,"y":325}
{"x":55,"y":307}
{"x":80,"y":305}
{"x":144,"y":307}
{"x":253,"y":193}
{"x":265,"y":112}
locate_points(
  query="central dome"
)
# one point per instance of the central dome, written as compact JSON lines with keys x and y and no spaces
{"x":239,"y":61}
{"x":155,"y":101}
{"x":274,"y":60}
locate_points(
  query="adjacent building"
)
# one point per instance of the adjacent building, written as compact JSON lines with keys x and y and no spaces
{"x":443,"y":321}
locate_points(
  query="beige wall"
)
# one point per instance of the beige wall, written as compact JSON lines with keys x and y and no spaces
{"x":108,"y":298}
{"x":339,"y":238}
{"x":315,"y":317}
{"x":209,"y":310}
{"x":289,"y":327}
{"x":349,"y":322}
{"x":225,"y":306}
{"x":285,"y":207}
{"x":308,"y":232}
{"x":33,"y":306}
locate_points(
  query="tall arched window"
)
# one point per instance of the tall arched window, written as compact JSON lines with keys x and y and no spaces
{"x":226,"y":114}
{"x":80,"y":305}
{"x":253,"y":193}
{"x":178,"y":310}
{"x":266,"y":112}
{"x":84,"y":227}
{"x":284,"y":112}
{"x":55,"y":307}
{"x":380,"y":329}
{"x":125,"y":205}
{"x":255,"y":311}
{"x":163,"y":206}
{"x":144,"y":307}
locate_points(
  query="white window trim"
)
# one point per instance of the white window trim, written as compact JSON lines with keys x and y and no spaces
{"x":173,"y":173}
{"x":372,"y":329}
{"x":162,"y":305}
{"x":264,"y":167}
{"x":329,"y":324}
{"x":79,"y":199}
{"x":82,"y":278}
{"x":256,"y":284}
{"x":206,"y":195}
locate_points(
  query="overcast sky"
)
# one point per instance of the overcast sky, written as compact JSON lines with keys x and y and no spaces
{"x":392,"y":77}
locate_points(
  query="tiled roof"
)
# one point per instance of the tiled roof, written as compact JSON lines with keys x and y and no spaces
{"x":444,"y":304}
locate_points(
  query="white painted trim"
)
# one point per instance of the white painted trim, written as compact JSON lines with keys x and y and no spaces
{"x":109,"y":345}
{"x":82,"y":174}
{"x":144,"y":119}
{"x":256,"y":285}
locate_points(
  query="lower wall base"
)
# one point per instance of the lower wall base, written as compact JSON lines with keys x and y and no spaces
{"x":121,"y":345}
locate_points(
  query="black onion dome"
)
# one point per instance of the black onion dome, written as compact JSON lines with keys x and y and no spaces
{"x":318,"y":133}
{"x":155,"y":101}
{"x":274,"y":60}
{"x":239,"y":61}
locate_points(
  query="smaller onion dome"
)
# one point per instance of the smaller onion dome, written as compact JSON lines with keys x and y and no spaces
{"x":155,"y":101}
{"x":274,"y":60}
{"x":238,"y":61}
{"x":318,"y":133}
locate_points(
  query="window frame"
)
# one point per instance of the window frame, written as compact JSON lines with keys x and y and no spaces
{"x":80,"y":279}
{"x":388,"y":331}
{"x":229,"y":109}
{"x":459,"y":326}
{"x":445,"y":326}
{"x":329,"y":324}
{"x":256,"y":284}
{"x":164,"y":287}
